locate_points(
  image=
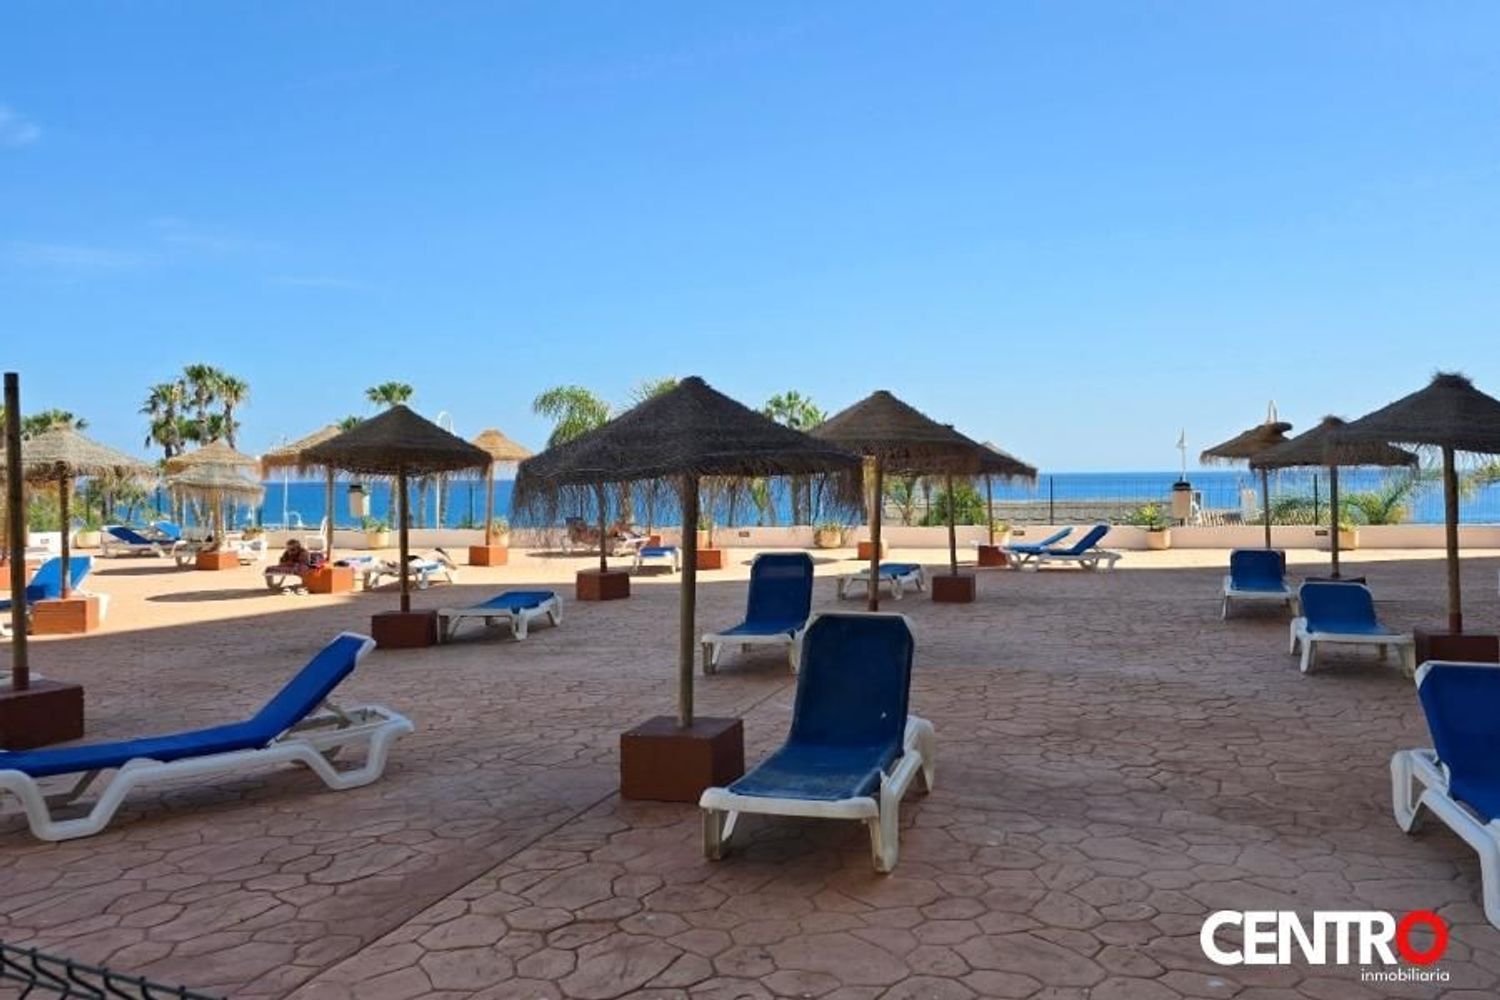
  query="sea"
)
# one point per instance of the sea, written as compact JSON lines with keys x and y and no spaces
{"x":301,"y":503}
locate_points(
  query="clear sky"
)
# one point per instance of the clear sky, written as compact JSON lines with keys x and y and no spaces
{"x":1067,"y":227}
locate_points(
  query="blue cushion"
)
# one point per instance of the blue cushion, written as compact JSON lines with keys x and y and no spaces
{"x":769,"y":627}
{"x":657,"y":550}
{"x":129,"y":535}
{"x":1462,"y":704}
{"x":823,"y":774}
{"x":893,"y":570}
{"x":516,"y":600}
{"x":781,"y":586}
{"x":1083,"y":544}
{"x":1037,"y":547}
{"x":1340,"y":607}
{"x":1258,"y":570}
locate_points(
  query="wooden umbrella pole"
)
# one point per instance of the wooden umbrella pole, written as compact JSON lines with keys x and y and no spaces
{"x":1450,"y":518}
{"x":989,"y":507}
{"x":328,"y":521}
{"x":603,"y":533}
{"x":63,"y":484}
{"x":403,"y":569}
{"x":15,"y":513}
{"x":877,"y":480}
{"x":952,"y":528}
{"x":489,"y":503}
{"x":687,"y":630}
{"x":1333,"y":516}
{"x":1265,"y":502}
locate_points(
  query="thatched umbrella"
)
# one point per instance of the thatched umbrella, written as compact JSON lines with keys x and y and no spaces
{"x":1006,"y":466}
{"x":683,"y":435}
{"x":500,"y":449}
{"x":897,"y":437}
{"x":213,"y":453}
{"x":290,"y":456}
{"x":217,"y":485}
{"x":1244,"y":447}
{"x":1452,"y":416}
{"x":396,"y":443}
{"x":1316,"y":449}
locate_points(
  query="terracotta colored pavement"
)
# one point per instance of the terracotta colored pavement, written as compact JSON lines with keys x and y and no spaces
{"x":1114,"y":764}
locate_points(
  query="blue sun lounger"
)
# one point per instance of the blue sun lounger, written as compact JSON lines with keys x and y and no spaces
{"x":1085,"y":552}
{"x":286,"y":730}
{"x":516,"y":608}
{"x":46,"y":585}
{"x":853,"y":751}
{"x":1022,"y":553}
{"x":119,"y":539}
{"x":1257,"y":576}
{"x":1344,"y":614}
{"x":776,"y":609}
{"x":895,"y":576}
{"x":1458,"y":779}
{"x":668,"y":552}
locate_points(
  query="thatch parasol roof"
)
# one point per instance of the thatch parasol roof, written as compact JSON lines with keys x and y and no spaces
{"x":289,"y":456}
{"x":904,"y":438}
{"x":1249,"y":444}
{"x":213,"y":453}
{"x":1318,"y":447}
{"x":214,"y":481}
{"x":63,"y":451}
{"x":1448,"y":413}
{"x":395,"y":441}
{"x":500,"y":447}
{"x":1003,"y":464}
{"x":690,"y":430}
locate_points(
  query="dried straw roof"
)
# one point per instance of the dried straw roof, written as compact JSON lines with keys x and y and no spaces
{"x":214,"y":481}
{"x":500,"y":447}
{"x":1448,"y":413}
{"x":691,"y":430}
{"x":214,"y":453}
{"x":1245,"y":446}
{"x":904,"y":438}
{"x":289,"y":456}
{"x":1003,"y":464}
{"x":63,"y":451}
{"x":1318,"y":447}
{"x":394,"y":442}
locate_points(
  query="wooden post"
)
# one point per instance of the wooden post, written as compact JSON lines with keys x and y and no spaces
{"x":687,"y":637}
{"x":401,"y":502}
{"x":603,"y":533}
{"x":489,"y":502}
{"x":1333,"y":516}
{"x":1450,"y":518}
{"x":328,"y":502}
{"x":15,"y":508}
{"x":1265,"y":502}
{"x":877,"y":508}
{"x":952,"y":528}
{"x":989,"y":505}
{"x":64,"y":486}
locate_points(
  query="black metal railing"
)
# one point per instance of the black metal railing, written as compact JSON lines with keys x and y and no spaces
{"x":39,"y":974}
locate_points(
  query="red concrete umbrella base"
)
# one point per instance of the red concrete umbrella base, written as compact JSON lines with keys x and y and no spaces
{"x":710,"y":558}
{"x":488,"y":555}
{"x":864,"y":550}
{"x":602,"y":585}
{"x":217,"y":560}
{"x":31,"y":567}
{"x":46,"y":712}
{"x":404,"y":629}
{"x":73,"y":615}
{"x":662,"y":762}
{"x":953,"y":588}
{"x":330,"y":580}
{"x":1470,"y":647}
{"x":993,"y":555}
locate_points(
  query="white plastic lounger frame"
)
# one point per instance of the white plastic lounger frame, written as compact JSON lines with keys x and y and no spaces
{"x":1403,"y":643}
{"x":669,"y":552}
{"x":281,"y":580}
{"x":315,"y":742}
{"x":1286,"y":596}
{"x":519,"y":620}
{"x":855,"y":584}
{"x":110,"y":546}
{"x":1089,"y":560}
{"x":422,"y":573}
{"x":714,"y":643}
{"x":1419,"y":780}
{"x":881,"y":813}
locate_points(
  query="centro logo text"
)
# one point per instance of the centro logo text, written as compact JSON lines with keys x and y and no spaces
{"x":1277,"y":937}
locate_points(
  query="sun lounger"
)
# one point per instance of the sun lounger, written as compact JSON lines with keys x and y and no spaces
{"x":118,"y":539}
{"x":776,"y":609}
{"x":516,"y":608}
{"x":1022,"y":553}
{"x":853,"y":751}
{"x":46,"y":584}
{"x":422,"y":570}
{"x":895,"y":576}
{"x":1257,"y":576}
{"x":285,"y":730}
{"x":1458,"y":780}
{"x":1343,"y":614}
{"x":667,"y":552}
{"x":1085,"y":552}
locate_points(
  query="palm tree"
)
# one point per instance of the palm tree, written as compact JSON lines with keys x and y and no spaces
{"x":350,"y":422}
{"x":794,"y":410}
{"x":233,"y":392}
{"x":164,"y":403}
{"x":35,"y":423}
{"x":202,"y":383}
{"x":389,"y":394}
{"x":573,"y":410}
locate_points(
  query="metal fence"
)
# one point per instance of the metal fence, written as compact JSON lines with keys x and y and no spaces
{"x":37,"y":974}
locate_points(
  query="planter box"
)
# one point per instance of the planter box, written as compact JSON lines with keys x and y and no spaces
{"x":404,"y":629}
{"x":1159,"y":540}
{"x":864,"y":550}
{"x":46,"y":712}
{"x":993,"y":555}
{"x":1468,"y":647}
{"x":220,"y":559}
{"x":488,"y":555}
{"x":86,"y":540}
{"x":330,"y":580}
{"x":662,"y":762}
{"x":948,"y":588}
{"x":65,"y":616}
{"x":378,"y":539}
{"x":601,"y":585}
{"x":828,"y":539}
{"x":1348,"y":540}
{"x":710,"y":558}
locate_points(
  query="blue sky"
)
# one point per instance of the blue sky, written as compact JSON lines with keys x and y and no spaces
{"x":1069,"y":228}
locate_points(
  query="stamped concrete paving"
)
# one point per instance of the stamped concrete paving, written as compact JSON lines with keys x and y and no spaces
{"x":1114,"y":764}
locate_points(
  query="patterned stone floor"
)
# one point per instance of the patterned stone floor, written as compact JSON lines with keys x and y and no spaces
{"x":1114,"y":764}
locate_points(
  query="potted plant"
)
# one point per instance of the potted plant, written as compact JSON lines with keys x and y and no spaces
{"x":1348,"y":535}
{"x":708,"y":556}
{"x":828,"y":535}
{"x":994,"y":554}
{"x":87,"y":534}
{"x":377,"y":532}
{"x":1158,"y":529}
{"x":500,"y":532}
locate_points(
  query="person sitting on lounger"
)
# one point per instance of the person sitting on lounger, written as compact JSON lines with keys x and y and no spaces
{"x":295,"y":558}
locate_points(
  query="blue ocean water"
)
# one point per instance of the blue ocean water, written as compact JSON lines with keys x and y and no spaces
{"x":303,"y":502}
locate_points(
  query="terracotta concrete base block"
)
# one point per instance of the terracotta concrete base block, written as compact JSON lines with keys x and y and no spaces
{"x":602,"y":585}
{"x":663,"y":762}
{"x":710,"y":558}
{"x":404,"y":629}
{"x":863,"y":549}
{"x":46,"y":712}
{"x":65,"y":616}
{"x":993,"y":555}
{"x":948,"y":588}
{"x":653,"y":540}
{"x":217,"y":560}
{"x":330,"y":580}
{"x":1470,"y":647}
{"x":488,"y":555}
